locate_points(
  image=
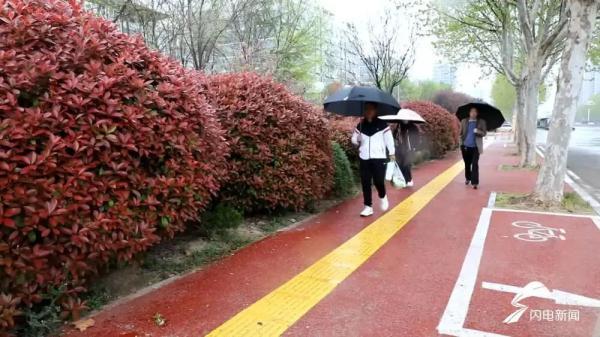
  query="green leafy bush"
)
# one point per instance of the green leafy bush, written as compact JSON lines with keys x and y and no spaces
{"x":221,"y":218}
{"x":343,"y":177}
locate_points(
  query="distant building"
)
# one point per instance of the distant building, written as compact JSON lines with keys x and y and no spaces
{"x":444,"y":73}
{"x":343,"y":65}
{"x":589,"y":87}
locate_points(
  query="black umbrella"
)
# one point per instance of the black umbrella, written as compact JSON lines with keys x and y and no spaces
{"x":350,"y":101}
{"x":492,"y":116}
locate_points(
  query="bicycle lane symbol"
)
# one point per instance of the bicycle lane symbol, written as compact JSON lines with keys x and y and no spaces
{"x":537,"y":232}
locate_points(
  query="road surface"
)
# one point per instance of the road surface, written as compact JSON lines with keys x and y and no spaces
{"x":584,"y":156}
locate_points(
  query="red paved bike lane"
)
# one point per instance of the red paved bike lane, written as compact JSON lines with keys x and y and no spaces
{"x":196,"y":303}
{"x":559,"y":252}
{"x":403,"y":289}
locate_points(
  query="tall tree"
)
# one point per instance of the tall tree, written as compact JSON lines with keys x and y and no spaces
{"x":503,"y":95}
{"x":203,"y":23}
{"x":520,"y":39}
{"x":279,"y":37}
{"x":386,"y":58}
{"x":582,"y":19}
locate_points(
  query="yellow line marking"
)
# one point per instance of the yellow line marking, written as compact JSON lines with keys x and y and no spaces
{"x":273,"y":314}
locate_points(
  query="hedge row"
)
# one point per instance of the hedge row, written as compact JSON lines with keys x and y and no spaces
{"x":280,"y":148}
{"x":106,"y":147}
{"x":440,"y":133}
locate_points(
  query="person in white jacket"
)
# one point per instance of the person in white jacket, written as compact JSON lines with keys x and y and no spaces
{"x":376,"y":146}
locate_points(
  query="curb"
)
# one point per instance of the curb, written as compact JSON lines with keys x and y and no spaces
{"x":576,"y":183}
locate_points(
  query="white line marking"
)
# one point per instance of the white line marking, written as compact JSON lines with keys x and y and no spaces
{"x":589,"y":216}
{"x":477,"y":333}
{"x":454,"y":316}
{"x":596,"y":221}
{"x":492,"y":200}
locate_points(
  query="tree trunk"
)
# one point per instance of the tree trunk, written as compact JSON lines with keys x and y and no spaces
{"x":550,"y":183}
{"x":519,"y":112}
{"x":528,"y":127}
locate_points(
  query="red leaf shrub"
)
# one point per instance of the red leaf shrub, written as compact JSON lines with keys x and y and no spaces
{"x":341,"y":129}
{"x":280,"y":145}
{"x":105,"y":146}
{"x":440,"y":133}
{"x":451,"y":100}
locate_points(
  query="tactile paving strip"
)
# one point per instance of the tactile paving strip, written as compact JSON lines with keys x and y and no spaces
{"x":273,"y":314}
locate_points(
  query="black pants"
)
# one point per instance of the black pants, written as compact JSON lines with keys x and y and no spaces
{"x":471,"y":158}
{"x":372,"y":171}
{"x":406,"y":172}
{"x":404,"y":160}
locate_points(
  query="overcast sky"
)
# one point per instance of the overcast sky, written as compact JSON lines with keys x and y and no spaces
{"x":361,"y":11}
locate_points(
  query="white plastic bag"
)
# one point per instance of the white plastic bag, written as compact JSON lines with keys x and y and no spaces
{"x":389,"y":170}
{"x":398,"y":180}
{"x":394,"y":174}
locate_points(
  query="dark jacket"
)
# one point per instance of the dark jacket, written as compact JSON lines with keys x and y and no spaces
{"x":481,"y":132}
{"x":406,"y":137}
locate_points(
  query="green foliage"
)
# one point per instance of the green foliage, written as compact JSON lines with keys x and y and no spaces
{"x":465,"y":33}
{"x":221,"y":218}
{"x":299,"y":30}
{"x":343,"y":177}
{"x":44,"y":318}
{"x":97,"y":297}
{"x":421,"y":90}
{"x":571,"y":203}
{"x":421,"y":156}
{"x":504,"y":96}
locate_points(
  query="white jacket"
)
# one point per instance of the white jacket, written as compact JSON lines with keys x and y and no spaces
{"x":373,"y":140}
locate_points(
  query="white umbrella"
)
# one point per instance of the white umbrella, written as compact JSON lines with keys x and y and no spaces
{"x":404,"y":115}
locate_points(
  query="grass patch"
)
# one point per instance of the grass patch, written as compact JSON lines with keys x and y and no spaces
{"x":168,"y":264}
{"x":97,"y":297}
{"x":509,"y":168}
{"x":571,"y":203}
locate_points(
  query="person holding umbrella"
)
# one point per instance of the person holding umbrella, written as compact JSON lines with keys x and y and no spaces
{"x":406,"y":135}
{"x":373,"y":137}
{"x":475,"y":120}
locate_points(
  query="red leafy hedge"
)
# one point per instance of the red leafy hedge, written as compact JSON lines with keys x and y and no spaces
{"x":105,"y":146}
{"x":280,"y":145}
{"x":440,"y":133}
{"x":341,"y":129}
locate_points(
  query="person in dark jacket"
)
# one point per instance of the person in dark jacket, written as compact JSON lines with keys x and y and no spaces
{"x":406,"y":136}
{"x":374,"y":138}
{"x":472,"y":131}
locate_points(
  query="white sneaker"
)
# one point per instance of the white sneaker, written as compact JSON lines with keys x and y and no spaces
{"x":384,"y":203}
{"x":410,"y":184}
{"x":368,"y":211}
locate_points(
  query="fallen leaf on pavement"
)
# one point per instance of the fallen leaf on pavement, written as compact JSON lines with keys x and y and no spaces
{"x":159,"y":319}
{"x":84,"y":324}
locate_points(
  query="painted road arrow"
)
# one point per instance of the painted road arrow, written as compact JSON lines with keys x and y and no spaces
{"x":537,"y":289}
